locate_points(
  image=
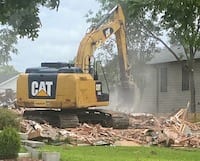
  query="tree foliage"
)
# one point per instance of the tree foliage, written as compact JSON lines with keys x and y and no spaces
{"x":23,"y":15}
{"x":9,"y":143}
{"x":8,"y":119}
{"x":19,"y":17}
{"x":181,"y":19}
{"x":7,"y":45}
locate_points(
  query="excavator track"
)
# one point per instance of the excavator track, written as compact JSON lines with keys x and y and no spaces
{"x":120,"y":121}
{"x":73,"y":117}
{"x":68,"y":121}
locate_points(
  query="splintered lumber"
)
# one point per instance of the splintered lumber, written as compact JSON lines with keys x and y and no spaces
{"x":36,"y":131}
{"x":180,"y":123}
{"x":144,"y":129}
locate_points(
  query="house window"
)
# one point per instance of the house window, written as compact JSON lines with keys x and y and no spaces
{"x":185,"y":79}
{"x":163,"y":79}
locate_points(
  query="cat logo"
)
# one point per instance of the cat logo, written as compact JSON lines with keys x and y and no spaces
{"x":42,"y":88}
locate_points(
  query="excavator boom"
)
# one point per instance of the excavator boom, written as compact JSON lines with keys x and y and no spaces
{"x":112,"y":23}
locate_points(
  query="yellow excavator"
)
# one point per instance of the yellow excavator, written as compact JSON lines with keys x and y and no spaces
{"x":63,"y":94}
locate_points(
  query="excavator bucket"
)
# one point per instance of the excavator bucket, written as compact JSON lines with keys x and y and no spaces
{"x":126,"y":97}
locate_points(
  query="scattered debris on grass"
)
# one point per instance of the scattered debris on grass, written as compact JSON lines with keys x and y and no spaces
{"x":144,"y":129}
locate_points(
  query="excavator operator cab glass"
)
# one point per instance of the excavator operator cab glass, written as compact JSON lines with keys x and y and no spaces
{"x":98,"y":88}
{"x":101,"y":81}
{"x":101,"y":95}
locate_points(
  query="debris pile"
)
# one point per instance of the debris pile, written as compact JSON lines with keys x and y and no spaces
{"x":144,"y":129}
{"x":183,"y":133}
{"x":36,"y":131}
{"x":7,"y":98}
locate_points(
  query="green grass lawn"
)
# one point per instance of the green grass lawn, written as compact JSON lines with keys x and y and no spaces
{"x":109,"y":153}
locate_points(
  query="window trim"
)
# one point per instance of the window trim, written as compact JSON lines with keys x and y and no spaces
{"x":163,"y":79}
{"x":185,"y":80}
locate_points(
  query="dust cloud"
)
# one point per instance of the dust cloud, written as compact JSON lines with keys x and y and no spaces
{"x":127,"y":101}
{"x":141,"y":98}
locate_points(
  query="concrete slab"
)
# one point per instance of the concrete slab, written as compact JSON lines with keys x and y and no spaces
{"x":50,"y":156}
{"x":34,"y":153}
{"x":23,"y":136}
{"x":33,"y":144}
{"x":24,"y":155}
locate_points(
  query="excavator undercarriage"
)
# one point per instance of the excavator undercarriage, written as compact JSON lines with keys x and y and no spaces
{"x":71,"y":118}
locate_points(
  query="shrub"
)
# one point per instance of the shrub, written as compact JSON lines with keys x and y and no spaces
{"x":8,"y":119}
{"x":9,"y":143}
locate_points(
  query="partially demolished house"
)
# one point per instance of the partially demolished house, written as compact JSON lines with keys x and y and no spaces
{"x":166,"y":87}
{"x":8,"y":84}
{"x":8,"y":81}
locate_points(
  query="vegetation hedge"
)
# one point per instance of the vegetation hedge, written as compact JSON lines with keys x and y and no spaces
{"x":9,"y":143}
{"x":8,"y":119}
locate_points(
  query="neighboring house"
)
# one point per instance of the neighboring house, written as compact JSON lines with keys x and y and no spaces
{"x":8,"y":82}
{"x":167,"y":84}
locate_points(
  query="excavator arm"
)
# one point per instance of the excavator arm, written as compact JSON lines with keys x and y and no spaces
{"x":112,"y":23}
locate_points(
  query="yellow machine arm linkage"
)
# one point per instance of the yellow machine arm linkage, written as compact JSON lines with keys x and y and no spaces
{"x":112,"y":23}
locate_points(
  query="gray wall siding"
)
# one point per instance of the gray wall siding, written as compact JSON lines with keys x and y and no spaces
{"x":167,"y":102}
{"x":197,"y":84}
{"x":174,"y":98}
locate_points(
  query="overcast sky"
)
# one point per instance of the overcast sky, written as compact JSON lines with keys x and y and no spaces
{"x":59,"y":36}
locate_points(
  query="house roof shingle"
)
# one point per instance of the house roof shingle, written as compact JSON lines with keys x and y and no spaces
{"x":165,"y":56}
{"x":5,"y":77}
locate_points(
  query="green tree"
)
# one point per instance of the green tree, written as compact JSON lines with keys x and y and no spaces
{"x":19,"y":18}
{"x":181,"y":20}
{"x":7,"y":45}
{"x":23,"y":16}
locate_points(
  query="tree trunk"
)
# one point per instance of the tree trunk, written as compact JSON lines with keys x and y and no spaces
{"x":192,"y":92}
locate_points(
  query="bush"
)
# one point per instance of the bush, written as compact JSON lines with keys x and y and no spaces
{"x":9,"y":143}
{"x":8,"y":119}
